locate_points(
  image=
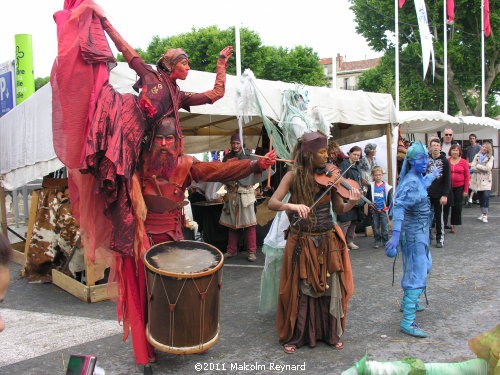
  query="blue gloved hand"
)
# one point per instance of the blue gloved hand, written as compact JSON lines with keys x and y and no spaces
{"x":391,"y":247}
{"x":436,"y":172}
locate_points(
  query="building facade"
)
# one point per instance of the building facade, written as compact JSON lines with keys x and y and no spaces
{"x":347,"y":72}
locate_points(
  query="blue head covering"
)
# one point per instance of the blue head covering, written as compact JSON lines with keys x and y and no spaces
{"x":415,"y":149}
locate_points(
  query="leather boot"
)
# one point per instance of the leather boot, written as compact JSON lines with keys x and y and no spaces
{"x":410,"y":302}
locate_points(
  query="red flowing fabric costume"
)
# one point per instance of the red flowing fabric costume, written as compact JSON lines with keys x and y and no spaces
{"x":97,"y":135}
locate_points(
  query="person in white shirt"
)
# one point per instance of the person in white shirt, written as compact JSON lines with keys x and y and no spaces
{"x":447,"y":140}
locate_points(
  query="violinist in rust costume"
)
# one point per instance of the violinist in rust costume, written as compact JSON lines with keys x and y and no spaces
{"x":316,"y":278}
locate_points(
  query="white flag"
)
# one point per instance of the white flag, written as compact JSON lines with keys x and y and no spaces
{"x":425,"y":37}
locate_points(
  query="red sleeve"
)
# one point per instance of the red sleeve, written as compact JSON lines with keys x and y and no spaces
{"x":140,"y":67}
{"x":467,"y":175}
{"x":223,"y":172}
{"x":211,"y":96}
{"x":189,"y":99}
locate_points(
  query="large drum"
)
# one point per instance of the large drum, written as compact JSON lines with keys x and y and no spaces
{"x":183,"y":285}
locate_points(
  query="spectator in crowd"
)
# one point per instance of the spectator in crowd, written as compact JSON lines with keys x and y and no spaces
{"x":439,"y":189}
{"x":5,"y":255}
{"x":447,"y":140}
{"x":347,"y":221}
{"x":335,"y":154}
{"x":380,"y":193}
{"x":238,"y":213}
{"x":367,"y":163}
{"x":472,"y":151}
{"x":473,"y":148}
{"x":460,"y":177}
{"x":401,"y":152}
{"x":481,"y":179}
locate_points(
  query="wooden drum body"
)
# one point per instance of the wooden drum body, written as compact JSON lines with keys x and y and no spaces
{"x":183,"y":285}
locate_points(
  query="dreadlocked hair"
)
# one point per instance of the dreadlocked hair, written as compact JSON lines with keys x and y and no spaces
{"x":303,"y":184}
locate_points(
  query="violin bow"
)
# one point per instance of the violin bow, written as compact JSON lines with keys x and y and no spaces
{"x":269,"y":169}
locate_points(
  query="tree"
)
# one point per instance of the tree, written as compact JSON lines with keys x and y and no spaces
{"x":375,"y":21}
{"x":300,"y":64}
{"x":40,"y":82}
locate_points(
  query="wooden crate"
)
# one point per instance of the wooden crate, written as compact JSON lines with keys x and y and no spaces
{"x":18,"y":253}
{"x":85,"y":293}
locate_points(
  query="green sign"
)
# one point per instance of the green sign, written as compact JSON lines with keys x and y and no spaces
{"x":25,"y":80}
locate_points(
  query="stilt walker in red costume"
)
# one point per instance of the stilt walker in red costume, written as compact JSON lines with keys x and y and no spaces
{"x":124,"y":153}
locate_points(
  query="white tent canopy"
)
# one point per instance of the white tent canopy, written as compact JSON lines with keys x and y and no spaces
{"x":432,"y":121}
{"x":27,"y":153}
{"x":215,"y":123}
{"x":26,"y":147}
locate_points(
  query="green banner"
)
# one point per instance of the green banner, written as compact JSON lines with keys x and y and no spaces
{"x":25,"y":80}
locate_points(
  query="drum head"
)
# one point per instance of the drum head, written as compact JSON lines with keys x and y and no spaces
{"x":183,"y":258}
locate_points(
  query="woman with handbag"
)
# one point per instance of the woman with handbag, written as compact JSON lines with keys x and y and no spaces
{"x":481,"y":180}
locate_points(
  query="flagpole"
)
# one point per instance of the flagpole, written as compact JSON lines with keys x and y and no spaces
{"x":445,"y":33}
{"x":334,"y":71}
{"x":396,"y":31}
{"x":238,"y":49}
{"x":482,"y":61}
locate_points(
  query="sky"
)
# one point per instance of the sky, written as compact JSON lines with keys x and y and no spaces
{"x":327,"y":27}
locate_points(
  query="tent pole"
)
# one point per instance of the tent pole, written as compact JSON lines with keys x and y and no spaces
{"x":388,"y":135}
{"x":3,"y":210}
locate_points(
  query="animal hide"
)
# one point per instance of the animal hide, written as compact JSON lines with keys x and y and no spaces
{"x":55,"y":232}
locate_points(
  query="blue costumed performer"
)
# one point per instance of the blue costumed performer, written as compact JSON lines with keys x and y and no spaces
{"x":412,"y":217}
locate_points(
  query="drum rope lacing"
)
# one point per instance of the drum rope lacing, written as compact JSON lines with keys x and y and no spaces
{"x":202,"y":307}
{"x":171,"y":308}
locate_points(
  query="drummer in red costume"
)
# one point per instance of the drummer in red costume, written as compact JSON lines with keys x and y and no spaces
{"x":127,"y":145}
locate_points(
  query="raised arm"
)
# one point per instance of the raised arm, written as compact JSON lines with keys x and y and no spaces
{"x":232,"y":170}
{"x":218,"y":91}
{"x":220,"y":75}
{"x":128,"y":52}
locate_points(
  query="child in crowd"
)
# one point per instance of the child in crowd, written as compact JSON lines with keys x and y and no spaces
{"x":380,"y":193}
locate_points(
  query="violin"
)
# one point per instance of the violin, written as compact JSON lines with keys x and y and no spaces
{"x":331,"y":177}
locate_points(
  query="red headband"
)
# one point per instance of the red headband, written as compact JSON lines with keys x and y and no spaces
{"x":313,"y":142}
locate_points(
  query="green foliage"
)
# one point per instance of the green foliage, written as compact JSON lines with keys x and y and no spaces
{"x":300,"y":64}
{"x":40,"y":82}
{"x":375,"y":21}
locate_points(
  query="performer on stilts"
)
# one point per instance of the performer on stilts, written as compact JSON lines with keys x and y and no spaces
{"x":130,"y":150}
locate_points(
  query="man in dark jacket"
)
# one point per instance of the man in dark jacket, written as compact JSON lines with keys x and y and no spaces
{"x":440,"y":187}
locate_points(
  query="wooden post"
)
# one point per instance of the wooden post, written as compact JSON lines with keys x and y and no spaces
{"x":388,"y":135}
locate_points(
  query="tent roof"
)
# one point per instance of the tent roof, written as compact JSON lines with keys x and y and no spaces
{"x":432,"y":121}
{"x":215,"y":123}
{"x":26,"y":148}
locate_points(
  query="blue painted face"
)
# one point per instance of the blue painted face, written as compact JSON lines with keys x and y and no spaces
{"x":420,"y":163}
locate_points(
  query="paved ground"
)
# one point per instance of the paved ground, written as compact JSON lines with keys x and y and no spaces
{"x":45,"y":324}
